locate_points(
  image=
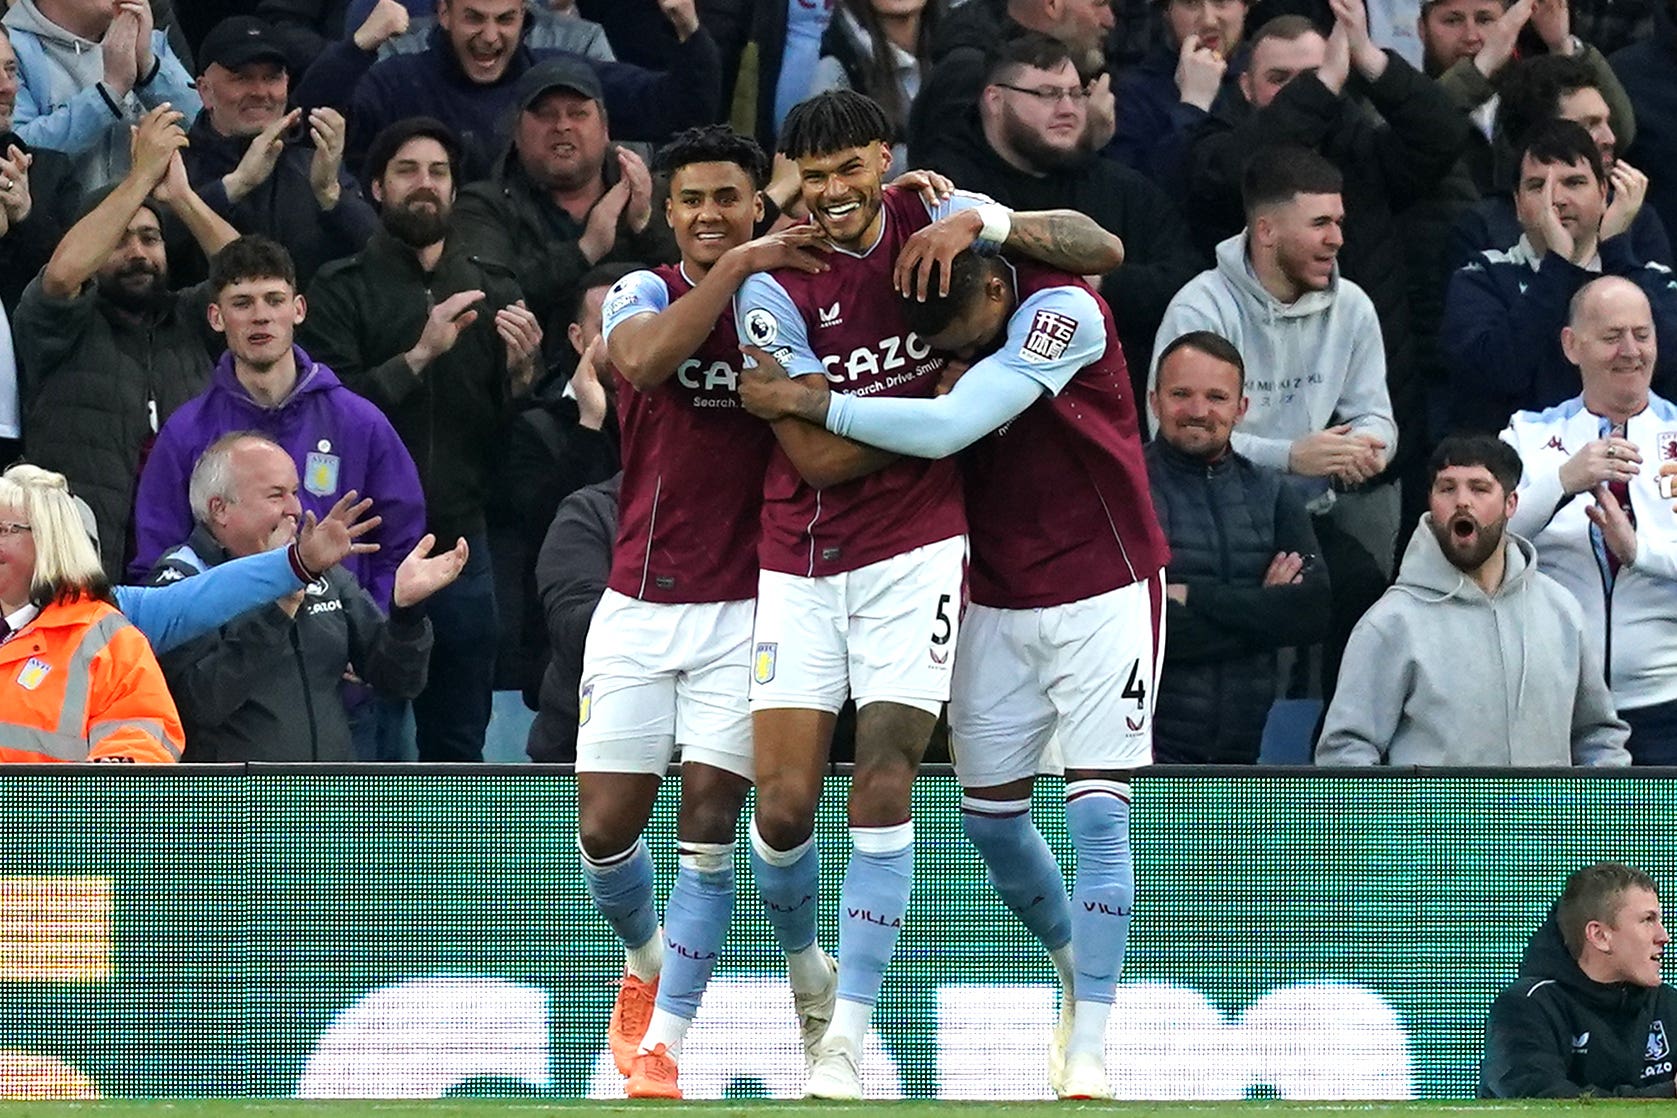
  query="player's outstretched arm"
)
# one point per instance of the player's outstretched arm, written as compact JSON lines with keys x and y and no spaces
{"x":647,"y":348}
{"x":1062,"y":239}
{"x":824,"y":459}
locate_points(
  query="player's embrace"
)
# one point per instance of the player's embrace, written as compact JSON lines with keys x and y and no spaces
{"x":862,"y":554}
{"x":669,"y":650}
{"x":1064,"y":633}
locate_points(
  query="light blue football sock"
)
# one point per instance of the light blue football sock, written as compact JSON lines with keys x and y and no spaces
{"x":695,"y":924}
{"x":872,"y":906}
{"x":789,"y":882}
{"x":621,"y":888}
{"x":1021,"y":867}
{"x":1098,"y":819}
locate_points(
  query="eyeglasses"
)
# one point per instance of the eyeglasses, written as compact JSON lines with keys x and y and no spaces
{"x":13,"y":529}
{"x":1051,"y":94}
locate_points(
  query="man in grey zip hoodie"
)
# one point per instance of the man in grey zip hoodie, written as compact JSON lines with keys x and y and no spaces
{"x":1475,"y":657}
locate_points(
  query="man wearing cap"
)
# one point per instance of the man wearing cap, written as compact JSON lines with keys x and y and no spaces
{"x":439,"y":338}
{"x":267,"y":170}
{"x":564,"y":198}
{"x":468,"y":75}
{"x":106,"y":350}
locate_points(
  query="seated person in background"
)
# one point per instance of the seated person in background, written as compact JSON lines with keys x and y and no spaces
{"x":1596,"y":501}
{"x":1244,"y":579}
{"x":77,"y":681}
{"x":265,"y":688}
{"x":1474,"y":657}
{"x":88,"y":71}
{"x":1590,"y":1013}
{"x":267,"y":170}
{"x":571,"y":574}
{"x":1535,"y":92}
{"x":266,"y":384}
{"x":1504,"y":311}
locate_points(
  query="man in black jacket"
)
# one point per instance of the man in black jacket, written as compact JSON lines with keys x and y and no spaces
{"x":265,"y":686}
{"x":1243,"y":579}
{"x":1023,"y":146}
{"x":267,"y":170}
{"x":441,"y":341}
{"x":1587,"y":1016}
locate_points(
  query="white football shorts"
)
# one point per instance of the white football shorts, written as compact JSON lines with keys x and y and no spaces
{"x":885,"y":632}
{"x":1086,"y":670}
{"x":657,"y":674}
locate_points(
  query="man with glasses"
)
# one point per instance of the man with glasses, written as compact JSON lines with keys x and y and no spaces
{"x":1022,"y":145}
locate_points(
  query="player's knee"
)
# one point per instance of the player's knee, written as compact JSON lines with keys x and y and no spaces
{"x":783,"y":825}
{"x":704,"y":819}
{"x":881,"y":788}
{"x":603,"y":836}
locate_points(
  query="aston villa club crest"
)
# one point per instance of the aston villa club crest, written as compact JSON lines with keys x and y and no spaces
{"x":1658,"y":1047}
{"x":320,"y":471}
{"x":1667,"y":444}
{"x":762,"y":663}
{"x":585,"y":706}
{"x":33,"y":673}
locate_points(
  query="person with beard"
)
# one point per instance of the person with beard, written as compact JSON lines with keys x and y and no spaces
{"x":1315,"y":369}
{"x":1469,"y":592}
{"x":1600,"y":471}
{"x":1586,"y":1019}
{"x":1022,"y":145}
{"x":564,"y":197}
{"x":439,"y":338}
{"x":1244,"y":579}
{"x":1504,"y":311}
{"x":38,"y":201}
{"x":267,"y":170}
{"x":107,"y":351}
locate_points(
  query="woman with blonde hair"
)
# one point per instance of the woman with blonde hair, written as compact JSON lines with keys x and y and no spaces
{"x":77,"y":681}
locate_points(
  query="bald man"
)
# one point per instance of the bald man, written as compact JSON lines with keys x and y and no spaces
{"x":1597,"y":501}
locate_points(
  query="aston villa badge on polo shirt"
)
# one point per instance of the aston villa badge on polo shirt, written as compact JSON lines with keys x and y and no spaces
{"x":34,"y":671}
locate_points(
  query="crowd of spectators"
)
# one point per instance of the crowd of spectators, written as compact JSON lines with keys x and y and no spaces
{"x":263,"y":262}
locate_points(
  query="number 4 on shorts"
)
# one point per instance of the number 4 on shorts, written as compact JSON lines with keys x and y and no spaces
{"x":1136,"y":688}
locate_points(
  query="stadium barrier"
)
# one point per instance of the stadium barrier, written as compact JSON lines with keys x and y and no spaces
{"x":273,"y":931}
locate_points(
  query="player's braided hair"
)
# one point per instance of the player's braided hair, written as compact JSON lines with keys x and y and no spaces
{"x":833,"y":121}
{"x":713,"y":143}
{"x":967,"y":273}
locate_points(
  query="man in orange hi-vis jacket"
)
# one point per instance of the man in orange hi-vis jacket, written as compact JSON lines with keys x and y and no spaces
{"x":77,"y":681}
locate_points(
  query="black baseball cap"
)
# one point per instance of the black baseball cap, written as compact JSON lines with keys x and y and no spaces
{"x":239,"y":40}
{"x":558,"y":73}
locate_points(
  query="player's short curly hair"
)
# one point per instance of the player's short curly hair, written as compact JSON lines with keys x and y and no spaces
{"x":713,"y":143}
{"x":833,"y":121}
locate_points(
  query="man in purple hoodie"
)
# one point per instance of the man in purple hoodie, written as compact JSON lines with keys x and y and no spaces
{"x":266,"y":384}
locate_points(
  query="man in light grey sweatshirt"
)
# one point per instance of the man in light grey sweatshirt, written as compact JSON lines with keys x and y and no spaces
{"x":1475,"y":657}
{"x":1315,"y":370}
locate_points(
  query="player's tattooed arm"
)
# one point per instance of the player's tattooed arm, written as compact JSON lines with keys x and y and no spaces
{"x":1067,"y":240}
{"x":1062,"y":239}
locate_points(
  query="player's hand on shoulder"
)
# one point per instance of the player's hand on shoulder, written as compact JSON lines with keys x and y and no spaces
{"x":803,"y":247}
{"x":933,"y":188}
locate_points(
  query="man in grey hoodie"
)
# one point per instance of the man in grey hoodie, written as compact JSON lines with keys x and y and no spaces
{"x":1474,"y":657}
{"x":90,"y":69}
